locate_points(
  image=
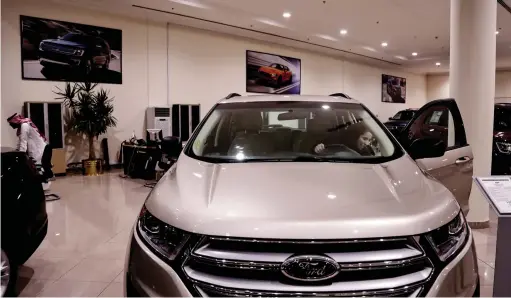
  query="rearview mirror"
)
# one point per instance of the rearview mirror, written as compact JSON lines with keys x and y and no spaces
{"x":427,"y":148}
{"x":390,"y":118}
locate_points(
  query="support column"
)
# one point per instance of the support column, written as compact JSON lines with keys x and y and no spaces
{"x":472,"y":84}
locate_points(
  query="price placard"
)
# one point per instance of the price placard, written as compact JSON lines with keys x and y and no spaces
{"x":497,"y":190}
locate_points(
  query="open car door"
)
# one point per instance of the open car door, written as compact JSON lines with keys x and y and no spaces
{"x":441,"y":119}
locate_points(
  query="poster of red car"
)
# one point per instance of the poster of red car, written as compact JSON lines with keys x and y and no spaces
{"x":393,"y":89}
{"x":269,"y":73}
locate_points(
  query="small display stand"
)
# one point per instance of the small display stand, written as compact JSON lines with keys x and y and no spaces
{"x":497,"y":190}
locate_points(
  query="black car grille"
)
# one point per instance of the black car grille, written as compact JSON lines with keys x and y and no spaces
{"x":58,"y":48}
{"x":240,"y":267}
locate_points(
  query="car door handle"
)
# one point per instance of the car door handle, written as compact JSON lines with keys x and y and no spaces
{"x":462,"y":160}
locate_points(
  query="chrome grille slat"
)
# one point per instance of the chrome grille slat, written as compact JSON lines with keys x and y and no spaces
{"x":247,"y":267}
{"x":339,"y":257}
{"x":216,"y":291}
{"x":276,"y":286}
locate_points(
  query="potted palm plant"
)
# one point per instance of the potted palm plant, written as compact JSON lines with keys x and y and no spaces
{"x":90,"y":113}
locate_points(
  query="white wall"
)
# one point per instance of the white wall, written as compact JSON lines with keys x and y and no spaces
{"x":438,"y":86}
{"x":202,"y":68}
{"x":144,"y":61}
{"x":206,"y":66}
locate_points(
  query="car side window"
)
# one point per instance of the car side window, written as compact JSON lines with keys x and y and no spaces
{"x":440,"y":122}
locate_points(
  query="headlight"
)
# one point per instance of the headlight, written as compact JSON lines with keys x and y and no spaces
{"x":79,"y":52}
{"x":273,"y":75}
{"x":448,"y":240}
{"x":504,"y":147}
{"x":41,"y":46}
{"x":165,"y":239}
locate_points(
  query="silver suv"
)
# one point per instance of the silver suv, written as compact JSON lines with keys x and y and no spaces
{"x":309,"y":196}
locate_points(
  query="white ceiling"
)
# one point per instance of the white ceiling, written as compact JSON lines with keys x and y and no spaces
{"x":406,"y":25}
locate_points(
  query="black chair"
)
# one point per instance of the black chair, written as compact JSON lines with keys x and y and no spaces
{"x":47,"y":172}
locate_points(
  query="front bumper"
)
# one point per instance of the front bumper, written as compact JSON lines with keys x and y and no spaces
{"x":148,"y":275}
{"x":47,"y":58}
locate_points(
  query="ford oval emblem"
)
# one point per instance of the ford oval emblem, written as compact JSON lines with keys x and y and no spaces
{"x":310,"y":268}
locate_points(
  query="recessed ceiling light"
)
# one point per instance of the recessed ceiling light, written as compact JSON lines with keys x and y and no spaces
{"x":286,"y":15}
{"x":270,"y":22}
{"x":438,"y":64}
{"x":328,"y":37}
{"x":384,"y":44}
{"x":414,"y":54}
{"x":344,"y":31}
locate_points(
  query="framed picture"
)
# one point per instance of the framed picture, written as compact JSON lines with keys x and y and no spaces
{"x":270,"y":73}
{"x":393,"y":89}
{"x":63,"y":51}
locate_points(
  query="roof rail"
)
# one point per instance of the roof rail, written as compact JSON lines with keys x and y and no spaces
{"x":232,"y":95}
{"x":341,"y":95}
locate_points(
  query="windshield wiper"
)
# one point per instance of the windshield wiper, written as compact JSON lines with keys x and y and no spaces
{"x":313,"y":158}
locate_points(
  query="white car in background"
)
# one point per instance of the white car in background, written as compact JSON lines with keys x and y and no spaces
{"x":254,"y":206}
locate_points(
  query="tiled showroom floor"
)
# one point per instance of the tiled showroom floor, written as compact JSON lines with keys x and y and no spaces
{"x":83,"y":253}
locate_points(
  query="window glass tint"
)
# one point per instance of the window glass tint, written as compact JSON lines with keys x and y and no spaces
{"x":275,"y":131}
{"x":77,"y":38}
{"x":436,"y":122}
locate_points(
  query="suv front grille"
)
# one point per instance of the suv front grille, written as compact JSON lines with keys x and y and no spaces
{"x":58,"y":48}
{"x":240,"y":267}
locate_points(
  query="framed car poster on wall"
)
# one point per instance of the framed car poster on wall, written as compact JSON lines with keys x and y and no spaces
{"x":275,"y":74}
{"x":393,"y":89}
{"x":64,"y":51}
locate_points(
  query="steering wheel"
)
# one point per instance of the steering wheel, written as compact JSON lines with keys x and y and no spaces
{"x":338,"y":150}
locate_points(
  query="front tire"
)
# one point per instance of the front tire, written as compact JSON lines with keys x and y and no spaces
{"x":8,"y":276}
{"x":107,"y":64}
{"x":87,"y":68}
{"x":279,"y":82}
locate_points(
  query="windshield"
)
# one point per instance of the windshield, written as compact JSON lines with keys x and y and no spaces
{"x":291,"y":131}
{"x":77,"y":37}
{"x":502,"y":118}
{"x":403,"y":115}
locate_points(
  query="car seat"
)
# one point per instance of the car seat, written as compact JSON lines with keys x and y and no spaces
{"x":247,"y":127}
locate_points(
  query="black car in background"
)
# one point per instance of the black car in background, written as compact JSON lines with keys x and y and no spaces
{"x":80,"y":51}
{"x":501,"y":159}
{"x":24,"y":219}
{"x":399,"y":121}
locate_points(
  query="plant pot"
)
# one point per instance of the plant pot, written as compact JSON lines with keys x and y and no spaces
{"x":92,"y":167}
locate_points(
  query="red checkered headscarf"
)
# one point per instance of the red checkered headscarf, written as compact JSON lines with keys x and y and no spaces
{"x":18,"y":119}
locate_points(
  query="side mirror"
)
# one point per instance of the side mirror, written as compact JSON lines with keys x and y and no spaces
{"x":390,"y":118}
{"x":427,"y":148}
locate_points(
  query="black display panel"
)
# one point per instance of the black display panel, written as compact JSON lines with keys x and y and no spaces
{"x":185,"y":122}
{"x":175,"y":120}
{"x":55,"y":125}
{"x":195,"y":117}
{"x":36,"y":111}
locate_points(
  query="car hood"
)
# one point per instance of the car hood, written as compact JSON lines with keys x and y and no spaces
{"x":269,"y":69}
{"x":65,"y":43}
{"x":502,"y":136}
{"x":301,"y":200}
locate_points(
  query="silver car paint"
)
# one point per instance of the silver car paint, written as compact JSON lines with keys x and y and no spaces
{"x":453,"y":173}
{"x":308,"y":200}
